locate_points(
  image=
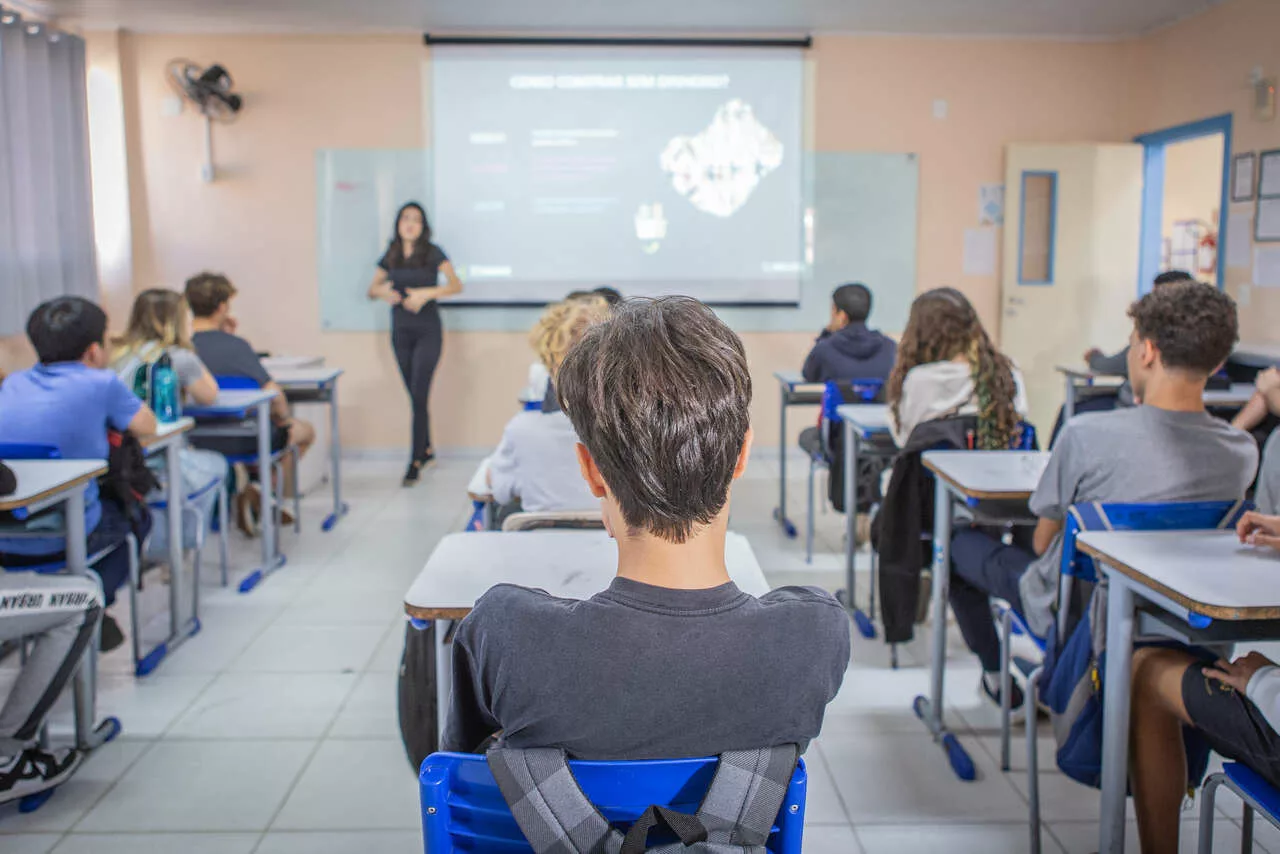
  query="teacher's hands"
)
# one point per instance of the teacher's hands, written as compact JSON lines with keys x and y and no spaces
{"x":416,"y":298}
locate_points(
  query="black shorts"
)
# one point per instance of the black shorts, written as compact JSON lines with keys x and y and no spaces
{"x":242,"y":446}
{"x":1231,"y":723}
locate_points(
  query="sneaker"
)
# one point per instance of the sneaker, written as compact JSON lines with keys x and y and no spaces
{"x":33,"y":771}
{"x":111,"y":636}
{"x":1017,"y":700}
{"x":411,"y":474}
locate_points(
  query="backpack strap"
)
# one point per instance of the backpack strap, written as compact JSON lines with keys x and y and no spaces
{"x":550,"y":807}
{"x":746,"y":794}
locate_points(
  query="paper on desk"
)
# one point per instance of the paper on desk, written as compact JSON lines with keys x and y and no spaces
{"x":1239,"y":239}
{"x":1266,"y":267}
{"x":979,"y":251}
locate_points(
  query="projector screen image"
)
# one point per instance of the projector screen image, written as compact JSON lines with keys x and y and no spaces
{"x":654,"y":170}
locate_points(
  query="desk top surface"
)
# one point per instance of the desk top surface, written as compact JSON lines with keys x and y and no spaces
{"x":234,"y":400}
{"x":565,"y":563}
{"x":866,"y":417}
{"x":311,"y":376}
{"x":39,"y":479}
{"x":992,"y":475}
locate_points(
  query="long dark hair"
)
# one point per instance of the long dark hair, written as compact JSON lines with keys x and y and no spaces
{"x":943,"y":326}
{"x":395,"y":257}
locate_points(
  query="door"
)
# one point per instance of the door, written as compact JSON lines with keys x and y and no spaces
{"x":1071,"y":249}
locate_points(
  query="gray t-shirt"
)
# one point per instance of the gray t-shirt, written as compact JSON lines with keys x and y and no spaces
{"x":644,"y":672}
{"x":186,"y":364}
{"x":229,"y":355}
{"x":1136,"y":454}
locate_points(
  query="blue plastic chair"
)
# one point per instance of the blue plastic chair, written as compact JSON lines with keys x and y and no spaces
{"x":1095,"y":516}
{"x":1258,"y":796}
{"x":463,"y":809}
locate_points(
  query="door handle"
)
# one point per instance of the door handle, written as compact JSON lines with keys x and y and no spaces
{"x":1016,"y":301}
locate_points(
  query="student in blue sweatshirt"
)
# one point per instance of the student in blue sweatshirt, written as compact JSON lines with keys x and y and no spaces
{"x":847,"y":349}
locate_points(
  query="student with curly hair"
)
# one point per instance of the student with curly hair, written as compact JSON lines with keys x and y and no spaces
{"x":1168,"y":448}
{"x":948,"y":366}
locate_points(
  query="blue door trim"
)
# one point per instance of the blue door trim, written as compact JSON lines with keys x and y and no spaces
{"x":1153,"y":192}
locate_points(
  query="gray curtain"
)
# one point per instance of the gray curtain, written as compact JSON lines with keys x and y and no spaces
{"x":46,"y":206}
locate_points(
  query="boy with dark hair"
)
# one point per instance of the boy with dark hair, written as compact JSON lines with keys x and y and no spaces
{"x":226,"y":354}
{"x":70,"y":400}
{"x":1168,"y":448}
{"x":1118,"y":364}
{"x":847,"y":349}
{"x":673,"y":660}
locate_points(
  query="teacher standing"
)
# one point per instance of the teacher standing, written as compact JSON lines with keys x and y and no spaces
{"x":407,"y":277}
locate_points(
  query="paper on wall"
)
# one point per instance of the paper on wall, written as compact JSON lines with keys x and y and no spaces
{"x":1268,"y":219}
{"x":1266,"y":267}
{"x":1269,"y":165}
{"x":1239,"y":239}
{"x":979,"y":251}
{"x":991,"y":204}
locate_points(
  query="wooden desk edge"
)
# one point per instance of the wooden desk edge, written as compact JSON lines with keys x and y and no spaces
{"x":1215,"y":612}
{"x":419,"y":613}
{"x":11,"y":504}
{"x":981,"y":495}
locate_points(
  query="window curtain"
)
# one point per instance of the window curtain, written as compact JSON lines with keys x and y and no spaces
{"x":46,"y":210}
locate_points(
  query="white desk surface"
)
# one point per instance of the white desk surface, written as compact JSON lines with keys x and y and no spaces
{"x":1258,"y":354}
{"x":868,"y":418}
{"x":1238,"y":395}
{"x":1084,"y":372}
{"x":1208,"y":572}
{"x":235,"y":401}
{"x":1002,"y":475}
{"x":285,"y":363}
{"x":795,"y":379}
{"x":166,"y":430}
{"x":570,"y":564}
{"x":38,"y":479}
{"x":315,"y":376}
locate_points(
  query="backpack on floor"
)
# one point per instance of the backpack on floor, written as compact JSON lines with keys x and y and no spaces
{"x":736,"y":814}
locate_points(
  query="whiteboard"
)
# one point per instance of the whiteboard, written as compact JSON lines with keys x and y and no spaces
{"x":865,"y":214}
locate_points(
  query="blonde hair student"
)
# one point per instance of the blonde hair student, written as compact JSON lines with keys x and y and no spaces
{"x":159,"y":324}
{"x":562,"y":324}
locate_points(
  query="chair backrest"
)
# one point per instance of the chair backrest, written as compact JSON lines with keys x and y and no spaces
{"x":463,"y":809}
{"x":836,"y":393}
{"x":590,"y":519}
{"x":237,"y":383}
{"x":28,"y":451}
{"x":1026,"y":438}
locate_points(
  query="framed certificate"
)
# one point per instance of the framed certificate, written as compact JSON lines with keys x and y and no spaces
{"x":1243,"y":176}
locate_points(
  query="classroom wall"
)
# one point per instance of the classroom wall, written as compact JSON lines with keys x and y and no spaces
{"x":1200,"y":68}
{"x":1192,"y":191}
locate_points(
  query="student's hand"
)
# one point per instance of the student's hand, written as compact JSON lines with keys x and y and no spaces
{"x":1255,"y":529}
{"x":1091,"y":354}
{"x":230,"y":325}
{"x":1238,"y":673}
{"x":391,"y":296}
{"x":1268,"y":381}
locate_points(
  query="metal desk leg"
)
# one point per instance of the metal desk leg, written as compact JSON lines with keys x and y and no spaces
{"x":929,"y":709}
{"x":1115,"y":715}
{"x":335,"y":461}
{"x":174,"y":497}
{"x":85,"y":687}
{"x":850,"y":512}
{"x":780,"y":512}
{"x":270,"y":559}
{"x":444,"y":674}
{"x":1069,"y":402}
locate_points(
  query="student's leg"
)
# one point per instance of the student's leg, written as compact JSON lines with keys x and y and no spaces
{"x":111,"y":532}
{"x":982,"y":567}
{"x":60,"y":613}
{"x":1158,"y":759}
{"x":426,"y":355}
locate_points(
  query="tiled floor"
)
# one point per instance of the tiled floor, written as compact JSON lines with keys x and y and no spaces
{"x":274,"y":730}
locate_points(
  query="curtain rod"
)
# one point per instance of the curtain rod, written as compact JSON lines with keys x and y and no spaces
{"x":624,"y":41}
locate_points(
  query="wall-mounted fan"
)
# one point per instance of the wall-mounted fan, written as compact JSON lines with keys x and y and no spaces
{"x":209,"y":89}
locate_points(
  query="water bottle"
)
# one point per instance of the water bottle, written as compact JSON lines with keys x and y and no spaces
{"x":165,"y":396}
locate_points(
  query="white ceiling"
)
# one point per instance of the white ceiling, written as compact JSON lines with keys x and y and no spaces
{"x":1077,"y":19}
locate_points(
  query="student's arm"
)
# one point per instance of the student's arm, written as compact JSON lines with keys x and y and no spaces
{"x":503,"y":474}
{"x":1057,"y":491}
{"x":1116,"y":365}
{"x":470,"y":719}
{"x":1252,"y":413}
{"x":204,"y":390}
{"x":279,"y":404}
{"x":812,"y":370}
{"x":143,"y":423}
{"x":380,"y":288}
{"x":416,"y":298}
{"x":1046,"y":531}
{"x":126,"y":412}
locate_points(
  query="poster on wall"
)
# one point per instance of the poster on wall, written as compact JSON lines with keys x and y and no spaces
{"x":991,"y":204}
{"x":1243,"y":172}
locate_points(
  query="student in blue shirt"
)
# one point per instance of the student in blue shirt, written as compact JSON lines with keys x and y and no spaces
{"x":69,"y":400}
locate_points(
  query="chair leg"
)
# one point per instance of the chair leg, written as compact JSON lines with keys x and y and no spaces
{"x":1006,"y":687}
{"x":224,"y":526}
{"x":1208,"y":794}
{"x":875,"y":564}
{"x":135,"y":618}
{"x":198,"y":520}
{"x":808,"y":528}
{"x":1246,"y":830}
{"x":1033,"y":762}
{"x":297,"y":493}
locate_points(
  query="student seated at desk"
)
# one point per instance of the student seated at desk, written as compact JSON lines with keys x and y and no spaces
{"x":535,"y":468}
{"x":1117,"y":365}
{"x":948,"y":366}
{"x":1167,"y":449}
{"x":672,"y":660}
{"x":158,"y":326}
{"x":228,"y":355}
{"x":1234,"y":705}
{"x":539,"y":383}
{"x":69,"y":400}
{"x":847,"y":349}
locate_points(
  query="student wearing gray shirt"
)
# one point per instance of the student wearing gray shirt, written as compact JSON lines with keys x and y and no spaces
{"x":672,"y":660}
{"x":1165,"y":449}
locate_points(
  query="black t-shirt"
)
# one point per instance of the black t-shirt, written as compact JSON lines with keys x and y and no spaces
{"x":644,"y":672}
{"x":420,"y":271}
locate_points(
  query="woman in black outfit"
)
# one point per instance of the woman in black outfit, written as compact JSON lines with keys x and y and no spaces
{"x":407,"y":278}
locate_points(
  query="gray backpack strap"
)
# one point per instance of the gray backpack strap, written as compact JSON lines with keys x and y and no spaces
{"x":745,"y":796}
{"x":551,"y":809}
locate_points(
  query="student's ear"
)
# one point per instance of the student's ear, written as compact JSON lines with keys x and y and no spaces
{"x":95,"y":356}
{"x":590,"y":473}
{"x":744,"y":455}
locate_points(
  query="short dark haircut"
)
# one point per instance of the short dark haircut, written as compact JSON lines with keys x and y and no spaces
{"x":63,"y":329}
{"x":1193,"y":325}
{"x":660,"y":395}
{"x":206,"y":292}
{"x":854,"y":300}
{"x":1169,"y":277}
{"x":611,"y":295}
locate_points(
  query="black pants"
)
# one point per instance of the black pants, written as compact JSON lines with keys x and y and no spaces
{"x":982,"y":567}
{"x":417,"y":342}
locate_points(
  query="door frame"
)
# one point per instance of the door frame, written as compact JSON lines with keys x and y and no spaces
{"x":1153,"y":146}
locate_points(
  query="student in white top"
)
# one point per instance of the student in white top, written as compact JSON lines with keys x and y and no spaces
{"x":536,"y":463}
{"x":1234,"y":705}
{"x":948,"y":366}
